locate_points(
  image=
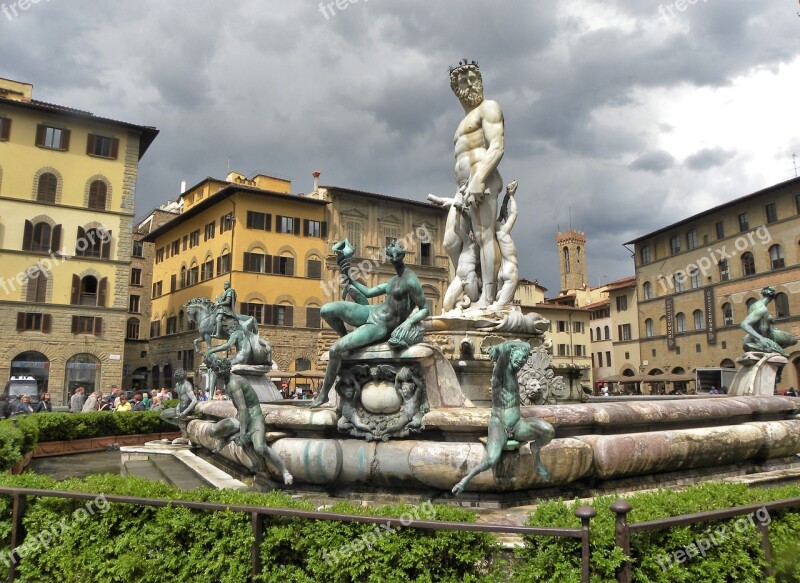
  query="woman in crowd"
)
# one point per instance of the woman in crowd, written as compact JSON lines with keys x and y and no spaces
{"x":44,"y":405}
{"x":124,"y":405}
{"x":24,"y":406}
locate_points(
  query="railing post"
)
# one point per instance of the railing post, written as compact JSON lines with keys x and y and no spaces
{"x":623,"y":538}
{"x":257,"y":522}
{"x":766,"y":548}
{"x":18,"y":509}
{"x":585,"y":513}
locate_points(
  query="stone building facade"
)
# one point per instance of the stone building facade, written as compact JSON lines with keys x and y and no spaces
{"x":271,"y":246}
{"x":67,"y":186}
{"x":136,"y":363}
{"x":370,"y":221}
{"x":696,"y":278}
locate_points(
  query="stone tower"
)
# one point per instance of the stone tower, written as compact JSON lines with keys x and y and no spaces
{"x":572,"y":259}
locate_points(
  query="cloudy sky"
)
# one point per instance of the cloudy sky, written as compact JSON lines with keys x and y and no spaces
{"x":634,"y":113}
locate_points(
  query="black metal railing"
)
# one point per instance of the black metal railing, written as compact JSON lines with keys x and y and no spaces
{"x":623,"y":530}
{"x":257,"y":514}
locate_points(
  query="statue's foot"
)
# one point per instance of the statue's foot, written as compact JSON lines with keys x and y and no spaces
{"x":321,"y":399}
{"x":458,"y":488}
{"x":288,"y":479}
{"x":543,"y":471}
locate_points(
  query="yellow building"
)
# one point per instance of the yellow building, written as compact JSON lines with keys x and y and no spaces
{"x":697,"y":277}
{"x":269,"y":243}
{"x":67,"y":184}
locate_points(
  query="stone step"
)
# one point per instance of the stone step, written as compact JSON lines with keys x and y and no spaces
{"x":144,"y":469}
{"x":177,"y":473}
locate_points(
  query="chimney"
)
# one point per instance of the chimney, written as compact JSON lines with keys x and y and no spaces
{"x":316,"y":174}
{"x":183,"y":186}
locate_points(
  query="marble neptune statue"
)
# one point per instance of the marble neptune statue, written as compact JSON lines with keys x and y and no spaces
{"x":476,"y":239}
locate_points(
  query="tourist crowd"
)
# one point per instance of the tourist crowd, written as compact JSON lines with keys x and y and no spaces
{"x":81,"y":402}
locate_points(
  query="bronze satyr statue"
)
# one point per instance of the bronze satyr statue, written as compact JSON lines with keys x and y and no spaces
{"x":506,"y":425}
{"x":762,"y":335}
{"x":248,"y":429}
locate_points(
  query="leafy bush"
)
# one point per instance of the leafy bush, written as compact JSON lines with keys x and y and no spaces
{"x":20,"y":435}
{"x":736,"y":558}
{"x":171,"y":544}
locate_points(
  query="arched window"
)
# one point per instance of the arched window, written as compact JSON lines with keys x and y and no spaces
{"x":724,"y":272}
{"x":97,"y":195}
{"x":132,"y":329}
{"x":645,"y":254}
{"x":748,"y":264}
{"x":749,"y":303}
{"x":88,"y":291}
{"x":83,"y":370}
{"x":591,"y":335}
{"x":41,"y":237}
{"x":607,"y":333}
{"x":647,"y":290}
{"x":674,"y":245}
{"x":782,"y":305}
{"x":180,"y":321}
{"x":183,"y":276}
{"x":597,"y":333}
{"x":699,"y":321}
{"x":566,"y":260}
{"x":37,"y":289}
{"x":776,"y":257}
{"x":314,"y":267}
{"x":680,"y":280}
{"x":47,"y":188}
{"x":93,"y":242}
{"x":727,"y":314}
{"x":155,"y":378}
{"x":691,"y":239}
{"x":694,"y":274}
{"x":680,"y":322}
{"x":649,"y":328}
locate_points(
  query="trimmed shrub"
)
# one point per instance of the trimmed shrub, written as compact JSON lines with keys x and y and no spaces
{"x":734,"y":552}
{"x":19,"y":435}
{"x":120,"y":542}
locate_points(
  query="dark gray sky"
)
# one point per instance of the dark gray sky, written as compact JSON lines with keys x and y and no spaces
{"x":633,"y":113}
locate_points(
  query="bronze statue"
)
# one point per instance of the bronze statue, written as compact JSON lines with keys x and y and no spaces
{"x":506,"y":425}
{"x":395,"y":320}
{"x":225,"y":308}
{"x":187,"y":401}
{"x":248,"y":429}
{"x":762,"y":335}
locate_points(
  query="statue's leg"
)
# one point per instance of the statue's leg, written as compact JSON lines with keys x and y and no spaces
{"x":539,"y":433}
{"x":784,"y":339}
{"x":484,"y":215}
{"x":260,"y":446}
{"x":366,"y":334}
{"x":494,"y":449}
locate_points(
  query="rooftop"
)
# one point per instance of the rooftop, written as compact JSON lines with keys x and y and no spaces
{"x":716,"y":209}
{"x":15,"y":94}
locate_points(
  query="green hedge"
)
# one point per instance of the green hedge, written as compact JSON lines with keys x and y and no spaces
{"x":737,"y":558}
{"x":130,"y":543}
{"x":20,"y":435}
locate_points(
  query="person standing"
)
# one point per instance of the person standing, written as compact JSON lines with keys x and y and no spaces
{"x":138,"y":403}
{"x":24,"y":406}
{"x":44,"y":405}
{"x":5,"y":409}
{"x":123,"y":405}
{"x":77,"y":400}
{"x":91,"y":402}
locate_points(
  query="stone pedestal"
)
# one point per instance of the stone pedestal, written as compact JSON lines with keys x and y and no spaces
{"x":757,"y":375}
{"x":441,"y":382}
{"x":258,"y":377}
